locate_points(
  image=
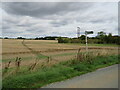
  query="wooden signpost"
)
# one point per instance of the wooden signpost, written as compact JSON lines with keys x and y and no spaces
{"x":86,"y":33}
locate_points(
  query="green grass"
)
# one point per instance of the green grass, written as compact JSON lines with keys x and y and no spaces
{"x":39,"y":56}
{"x":61,"y":71}
{"x":13,"y":59}
{"x":64,"y":54}
{"x":114,"y":45}
{"x":106,"y":45}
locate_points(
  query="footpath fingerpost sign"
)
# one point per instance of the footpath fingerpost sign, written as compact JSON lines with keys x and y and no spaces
{"x":86,"y":33}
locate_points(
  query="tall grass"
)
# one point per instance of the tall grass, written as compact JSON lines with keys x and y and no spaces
{"x":30,"y":76}
{"x":58,"y":72}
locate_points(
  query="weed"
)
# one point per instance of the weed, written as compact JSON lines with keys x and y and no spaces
{"x":57,"y":72}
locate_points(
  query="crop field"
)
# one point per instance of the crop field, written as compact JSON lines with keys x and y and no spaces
{"x":31,"y":57}
{"x":45,"y":52}
{"x":44,"y":49}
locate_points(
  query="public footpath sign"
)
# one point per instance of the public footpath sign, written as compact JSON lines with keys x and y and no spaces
{"x":88,"y":32}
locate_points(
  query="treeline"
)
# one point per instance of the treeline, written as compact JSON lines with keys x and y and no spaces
{"x":12,"y":38}
{"x":101,"y":38}
{"x":37,"y":38}
{"x":47,"y":38}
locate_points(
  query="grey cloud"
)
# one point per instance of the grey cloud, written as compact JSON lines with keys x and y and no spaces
{"x":22,"y":25}
{"x":40,"y":19}
{"x":10,"y":32}
{"x":42,"y":9}
{"x":10,"y":21}
{"x":36,"y":30}
{"x":5,"y":27}
{"x":105,"y":19}
{"x":59,"y":23}
{"x":25,"y":25}
{"x":97,"y":21}
{"x":58,"y":33}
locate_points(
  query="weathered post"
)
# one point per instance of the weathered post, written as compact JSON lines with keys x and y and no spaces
{"x":86,"y":41}
{"x":86,"y":33}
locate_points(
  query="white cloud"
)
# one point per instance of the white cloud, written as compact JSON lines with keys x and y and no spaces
{"x":58,"y":19}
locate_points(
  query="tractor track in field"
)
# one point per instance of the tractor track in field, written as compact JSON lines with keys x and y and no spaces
{"x":30,"y":49}
{"x":54,"y":50}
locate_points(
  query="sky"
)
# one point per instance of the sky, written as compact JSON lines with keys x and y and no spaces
{"x":39,"y":19}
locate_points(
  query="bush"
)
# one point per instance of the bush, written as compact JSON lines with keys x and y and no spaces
{"x":80,"y":67}
{"x":64,"y":40}
{"x":75,"y":41}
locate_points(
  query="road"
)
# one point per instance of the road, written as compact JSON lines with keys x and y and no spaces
{"x":101,"y":78}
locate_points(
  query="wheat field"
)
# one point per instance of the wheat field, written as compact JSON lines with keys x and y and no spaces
{"x":12,"y":48}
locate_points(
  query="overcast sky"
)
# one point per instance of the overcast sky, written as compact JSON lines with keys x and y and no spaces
{"x":37,"y":19}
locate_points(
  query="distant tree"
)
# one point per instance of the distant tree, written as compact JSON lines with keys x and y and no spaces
{"x":20,"y":38}
{"x":6,"y":38}
{"x":64,"y":40}
{"x":36,"y":38}
{"x":82,"y":37}
{"x":101,"y":34}
{"x":60,"y":40}
{"x":109,"y":38}
{"x":51,"y":37}
{"x":76,"y":40}
{"x":116,"y":39}
{"x":110,"y":35}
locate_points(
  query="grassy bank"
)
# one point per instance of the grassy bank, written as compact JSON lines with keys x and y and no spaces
{"x":61,"y":71}
{"x":101,"y":45}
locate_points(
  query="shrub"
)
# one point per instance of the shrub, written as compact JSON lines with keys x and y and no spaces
{"x":64,"y":40}
{"x":79,"y":67}
{"x":75,"y":41}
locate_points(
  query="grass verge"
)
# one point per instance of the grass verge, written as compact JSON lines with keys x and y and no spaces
{"x":102,"y":45}
{"x":58,"y":72}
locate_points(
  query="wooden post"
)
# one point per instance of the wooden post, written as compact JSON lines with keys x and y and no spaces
{"x":86,"y":42}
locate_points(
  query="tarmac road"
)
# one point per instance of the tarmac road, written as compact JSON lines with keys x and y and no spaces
{"x":101,"y":78}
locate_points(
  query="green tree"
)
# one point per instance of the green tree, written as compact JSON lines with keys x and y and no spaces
{"x":102,"y":35}
{"x":110,"y":35}
{"x":110,"y":38}
{"x":82,"y":37}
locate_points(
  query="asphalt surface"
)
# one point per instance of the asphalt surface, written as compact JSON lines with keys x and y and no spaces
{"x":101,"y":78}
